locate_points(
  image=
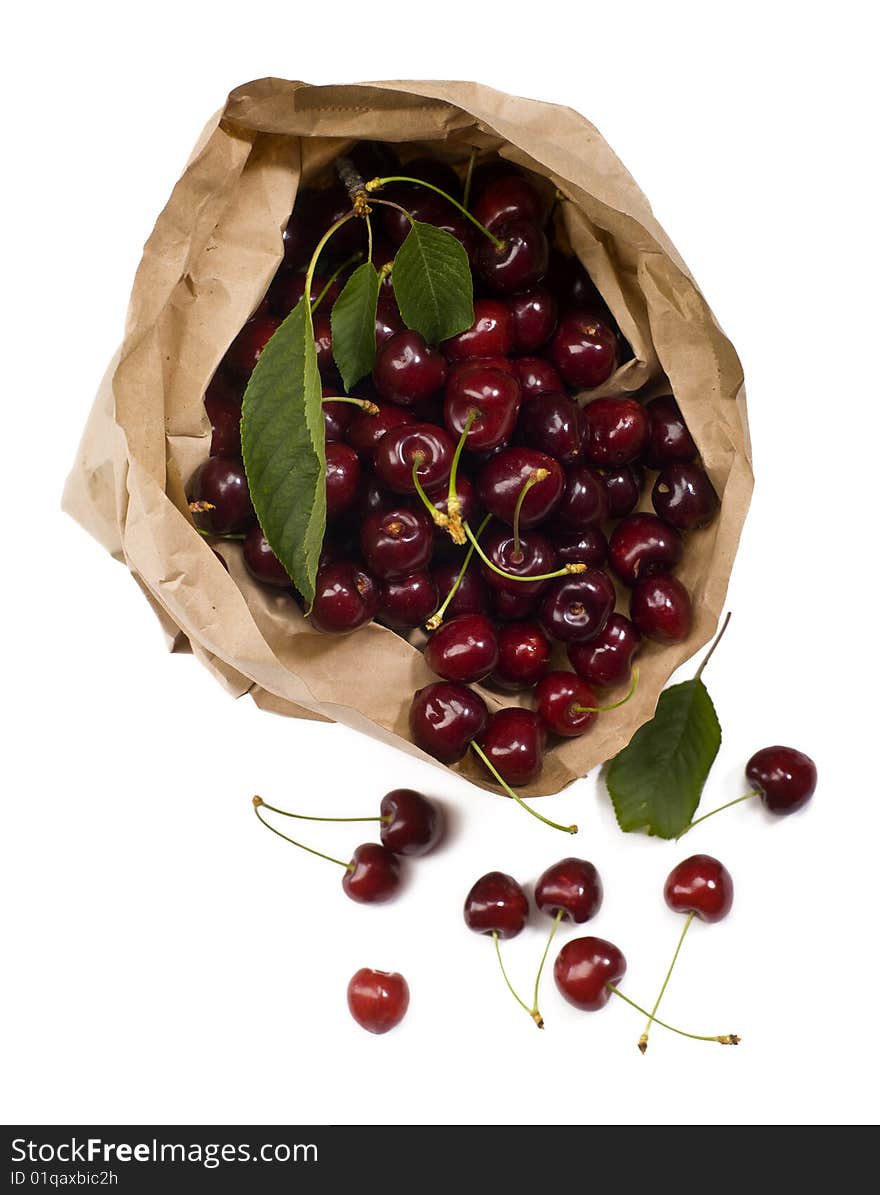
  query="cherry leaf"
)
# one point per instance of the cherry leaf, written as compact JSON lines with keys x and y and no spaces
{"x":433,"y":284}
{"x":353,"y":325}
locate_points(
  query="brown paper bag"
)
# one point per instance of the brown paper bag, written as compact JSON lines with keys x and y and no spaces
{"x":206,"y":266}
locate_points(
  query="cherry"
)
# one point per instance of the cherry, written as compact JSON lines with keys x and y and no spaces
{"x":244,"y":352}
{"x":584,"y":350}
{"x":534,"y":318}
{"x":573,"y":286}
{"x":396,"y":541}
{"x":584,"y":502}
{"x":432,"y":170}
{"x":520,"y":261}
{"x":496,"y":361}
{"x":444,"y":718}
{"x":337,"y":417}
{"x":784,"y":778}
{"x":513,"y":742}
{"x":388,"y":319}
{"x":607,"y":658}
{"x":511,"y":606}
{"x":407,"y":370}
{"x":465,"y":649}
{"x":486,"y":172}
{"x":346,"y":597}
{"x":661,"y":609}
{"x":496,"y":905}
{"x":422,"y":449}
{"x":570,"y":889}
{"x":523,"y":656}
{"x":493,"y":395}
{"x":219,"y":491}
{"x":343,"y":478}
{"x":365,"y":431}
{"x":565,"y":704}
{"x":261,"y":561}
{"x":684,"y":496}
{"x":581,"y":547}
{"x":377,"y":1000}
{"x":223,"y":405}
{"x":536,"y":376}
{"x":288,"y":288}
{"x":576,"y":608}
{"x":615,"y":430}
{"x":490,"y":335}
{"x":531,"y":556}
{"x":324,"y":347}
{"x":669,"y":441}
{"x":501,"y":480}
{"x":427,"y":207}
{"x":509,"y":197}
{"x":583,"y":970}
{"x":472,"y":594}
{"x":642,"y":545}
{"x":373,"y":875}
{"x":550,"y":422}
{"x":623,"y":486}
{"x":374,"y":159}
{"x":407,"y":602}
{"x":411,"y":824}
{"x":700,"y":886}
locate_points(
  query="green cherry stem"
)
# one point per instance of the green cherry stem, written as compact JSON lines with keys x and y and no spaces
{"x":561,"y":572}
{"x":453,"y":505}
{"x":437,"y":617}
{"x":711,"y":650}
{"x":468,"y":178}
{"x":536,"y":1016}
{"x":330,"y":858}
{"x":510,"y":986}
{"x":533,"y":479}
{"x":652,"y":1016}
{"x":348,"y":262}
{"x":376,"y":184}
{"x":396,"y":206}
{"x":216,"y":535}
{"x":736,"y":801}
{"x":310,"y":817}
{"x":615,"y":705}
{"x":310,"y":272}
{"x":437,"y":515}
{"x":369,"y":408}
{"x":726,"y":1039}
{"x":478,"y":750}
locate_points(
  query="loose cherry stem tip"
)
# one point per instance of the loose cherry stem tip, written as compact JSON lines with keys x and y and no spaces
{"x":724,"y":1039}
{"x":478,"y":750}
{"x":258,"y":801}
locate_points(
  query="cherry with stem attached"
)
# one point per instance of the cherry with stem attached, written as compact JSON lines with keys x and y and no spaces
{"x":410,"y":823}
{"x":499,"y":779}
{"x":497,"y":905}
{"x":783,"y":777}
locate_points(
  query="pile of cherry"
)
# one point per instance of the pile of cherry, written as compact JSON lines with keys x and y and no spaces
{"x":470,"y":492}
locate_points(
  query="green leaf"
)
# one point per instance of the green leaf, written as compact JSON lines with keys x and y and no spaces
{"x":433,"y":284}
{"x":353,"y":324}
{"x":282,"y":440}
{"x":656,"y":781}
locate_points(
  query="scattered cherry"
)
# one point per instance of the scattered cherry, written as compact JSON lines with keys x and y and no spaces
{"x":373,"y":875}
{"x":700,"y":885}
{"x":411,"y":824}
{"x":377,"y":1000}
{"x":496,"y":905}
{"x":571,"y":889}
{"x":583,"y":970}
{"x":784,"y":778}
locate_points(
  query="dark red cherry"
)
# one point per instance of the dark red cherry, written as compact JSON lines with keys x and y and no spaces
{"x":700,"y":885}
{"x":388,"y":320}
{"x":343,"y":479}
{"x":536,"y":376}
{"x":684,"y":496}
{"x":660,"y":607}
{"x":573,"y":286}
{"x":373,"y":875}
{"x":519,"y":263}
{"x":669,"y":442}
{"x":563,"y":703}
{"x":607,"y":658}
{"x":615,"y":430}
{"x":261,"y":561}
{"x":513,"y":741}
{"x":584,"y":502}
{"x":365,"y":431}
{"x":784,"y":777}
{"x":571,"y":887}
{"x":411,"y":824}
{"x":288,"y":287}
{"x":244,"y":352}
{"x":584,"y":350}
{"x":472,"y":595}
{"x":346,"y":597}
{"x":486,"y":172}
{"x":523,"y":656}
{"x":374,"y":159}
{"x":464,"y":649}
{"x":581,"y":547}
{"x":424,"y":445}
{"x":222,"y":484}
{"x":510,"y":197}
{"x":550,"y":423}
{"x":509,"y":605}
{"x":623,"y":486}
{"x":490,"y":335}
{"x":583,"y":970}
{"x":534,"y":556}
{"x":396,"y":541}
{"x":432,"y":170}
{"x":444,"y":717}
{"x":377,"y":1000}
{"x":429,"y":208}
{"x":496,"y":905}
{"x":407,"y":602}
{"x":576,"y":608}
{"x":408,"y":370}
{"x":324,"y":348}
{"x":642,"y":545}
{"x":534,"y":318}
{"x":494,"y":395}
{"x":337,"y":417}
{"x":497,"y":361}
{"x":502,"y":478}
{"x":223,"y":404}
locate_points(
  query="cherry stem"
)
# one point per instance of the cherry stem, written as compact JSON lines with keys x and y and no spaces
{"x":538,"y":1019}
{"x":510,"y":792}
{"x":726,"y":1039}
{"x":643,"y":1040}
{"x":348,"y":262}
{"x":437,"y":617}
{"x":438,"y":516}
{"x":711,"y":650}
{"x":561,"y":572}
{"x":301,"y":845}
{"x":453,"y":505}
{"x":310,"y":272}
{"x":310,"y":817}
{"x":468,"y":178}
{"x":510,"y":986}
{"x":747,"y":797}
{"x":376,"y":183}
{"x":536,"y":476}
{"x":218,"y":535}
{"x":604,"y":709}
{"x":396,"y":206}
{"x":365,"y":405}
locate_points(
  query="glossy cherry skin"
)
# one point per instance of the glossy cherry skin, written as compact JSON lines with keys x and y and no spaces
{"x":396,"y":541}
{"x":261,"y":561}
{"x":642,"y":545}
{"x":574,"y":287}
{"x":407,"y":602}
{"x":424,"y":445}
{"x":472,"y":595}
{"x":584,"y":501}
{"x":615,"y":430}
{"x":584,"y":350}
{"x":607,"y":658}
{"x":684,"y":496}
{"x":346,"y":597}
{"x":563,"y":701}
{"x":550,"y":422}
{"x":432,"y":170}
{"x":497,"y":361}
{"x":581,"y":547}
{"x":429,"y":208}
{"x":534,"y":319}
{"x":464,"y":649}
{"x":501,"y":479}
{"x":373,"y":875}
{"x":288,"y":288}
{"x":523,"y":656}
{"x":337,"y":417}
{"x":669,"y":442}
{"x":661,"y":609}
{"x":365,"y":431}
{"x":223,"y":404}
{"x":623,"y":486}
{"x":700,"y":885}
{"x":377,"y":1000}
{"x":571,"y":887}
{"x":490,"y":335}
{"x":324,"y":348}
{"x":510,"y":197}
{"x":521,"y":261}
{"x":583,"y":970}
{"x":576,"y":608}
{"x":785,"y":778}
{"x":407,"y":370}
{"x":244,"y":352}
{"x":535,"y":557}
{"x":536,"y":376}
{"x":496,"y":905}
{"x":494,"y":395}
{"x":411,"y":824}
{"x":444,"y":717}
{"x":223,"y":484}
{"x":388,"y":320}
{"x":343,"y":478}
{"x":514,"y":742}
{"x":512,"y":606}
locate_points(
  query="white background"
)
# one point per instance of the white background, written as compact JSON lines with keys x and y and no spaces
{"x":167,"y":960}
